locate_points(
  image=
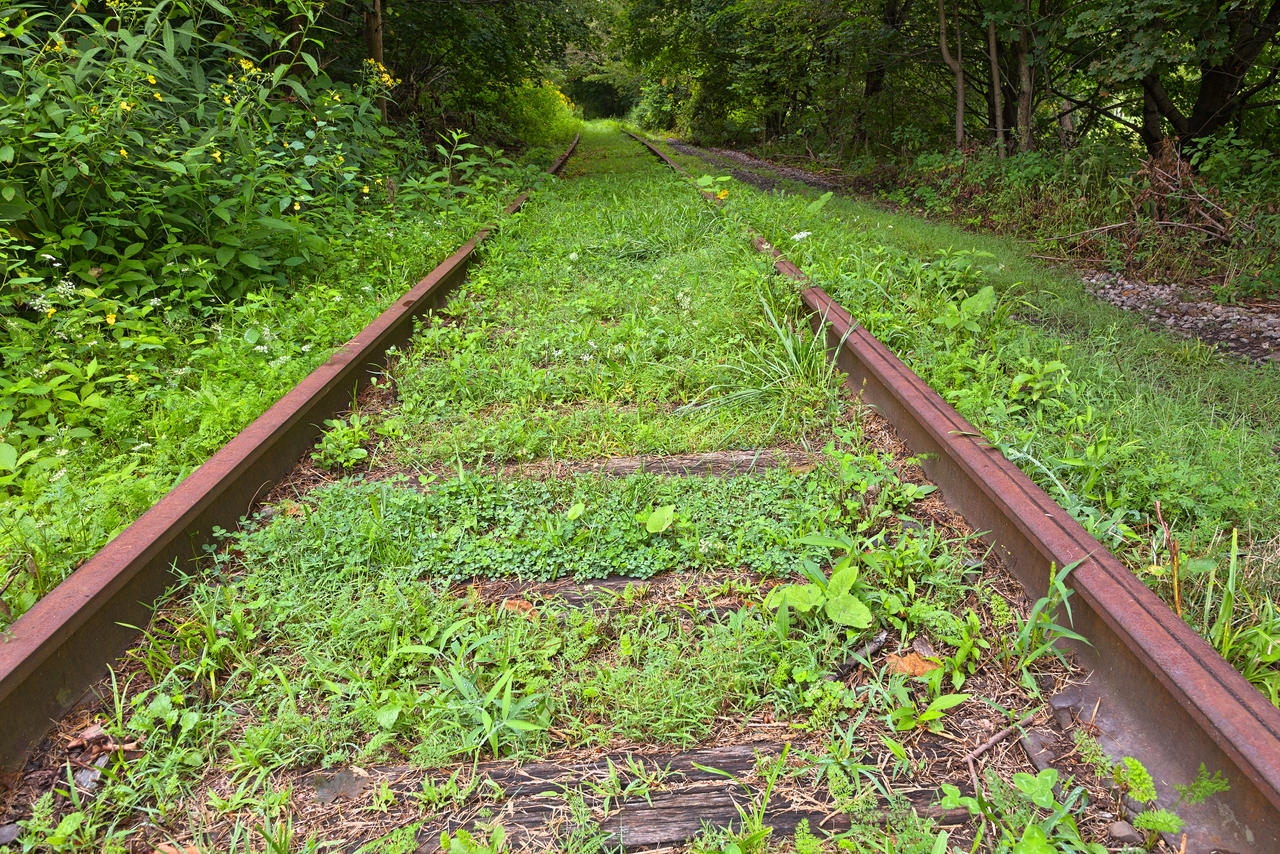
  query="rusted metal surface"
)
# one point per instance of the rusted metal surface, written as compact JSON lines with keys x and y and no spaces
{"x":1160,"y":691}
{"x":53,"y":653}
{"x":1156,"y":689}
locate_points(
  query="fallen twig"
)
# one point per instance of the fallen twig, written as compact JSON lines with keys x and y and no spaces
{"x":1001,"y":735}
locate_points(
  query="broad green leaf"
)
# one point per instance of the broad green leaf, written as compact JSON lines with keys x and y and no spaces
{"x":1033,"y":842}
{"x":660,"y":519}
{"x":842,"y":582}
{"x":848,"y":610}
{"x":388,"y":715}
{"x":817,"y":204}
{"x":522,"y":726}
{"x":576,"y":511}
{"x":417,"y":649}
{"x":980,"y":303}
{"x":1198,"y":566}
{"x":1038,"y":788}
{"x":823,"y":541}
{"x":798,"y":597}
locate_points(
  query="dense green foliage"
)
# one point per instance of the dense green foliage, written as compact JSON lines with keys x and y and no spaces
{"x":882,"y":74}
{"x":1154,"y":121}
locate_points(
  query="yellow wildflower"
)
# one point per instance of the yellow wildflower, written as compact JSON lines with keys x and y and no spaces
{"x":722,"y":195}
{"x":151,"y":78}
{"x":125,"y":106}
{"x":49,"y":312}
{"x":124,"y":153}
{"x":111,"y":320}
{"x":365,"y":189}
{"x":297,"y":207}
{"x":156,"y":95}
{"x":246,"y":64}
{"x":133,"y":378}
{"x":226,"y":99}
{"x":216,"y":155}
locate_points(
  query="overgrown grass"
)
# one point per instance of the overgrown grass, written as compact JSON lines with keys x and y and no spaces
{"x":1107,"y":415}
{"x":258,"y":672}
{"x":597,"y":315}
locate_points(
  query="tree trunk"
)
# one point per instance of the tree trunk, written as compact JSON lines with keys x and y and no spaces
{"x":956,"y":64}
{"x":997,"y":96}
{"x":1152,"y":134}
{"x":1026,"y":135}
{"x":1066,"y":126}
{"x":373,"y":41}
{"x":373,"y":30}
{"x":1220,"y":93}
{"x":892,"y":17}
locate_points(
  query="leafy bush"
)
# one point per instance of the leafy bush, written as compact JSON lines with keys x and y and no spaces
{"x":151,"y":169}
{"x":147,"y":153}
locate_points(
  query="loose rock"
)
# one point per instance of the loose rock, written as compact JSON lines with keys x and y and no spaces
{"x":1124,"y":833}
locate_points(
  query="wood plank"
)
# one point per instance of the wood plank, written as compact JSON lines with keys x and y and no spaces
{"x":714,"y":464}
{"x":535,"y":812}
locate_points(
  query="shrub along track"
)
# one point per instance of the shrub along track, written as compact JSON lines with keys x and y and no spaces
{"x":351,"y":665}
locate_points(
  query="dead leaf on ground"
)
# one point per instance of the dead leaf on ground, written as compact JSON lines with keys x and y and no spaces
{"x":174,"y":849}
{"x":912,"y":664}
{"x":520,"y":606}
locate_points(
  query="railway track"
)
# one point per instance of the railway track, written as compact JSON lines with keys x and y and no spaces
{"x":1156,"y":675}
{"x":1154,"y":690}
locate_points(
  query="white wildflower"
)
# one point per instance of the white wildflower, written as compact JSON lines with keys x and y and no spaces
{"x":797,"y":237}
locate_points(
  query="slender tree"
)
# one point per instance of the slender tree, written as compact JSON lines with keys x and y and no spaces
{"x":956,"y":64}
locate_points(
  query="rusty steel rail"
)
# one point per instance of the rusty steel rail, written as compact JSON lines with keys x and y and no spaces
{"x":1156,"y":690}
{"x":53,"y":654}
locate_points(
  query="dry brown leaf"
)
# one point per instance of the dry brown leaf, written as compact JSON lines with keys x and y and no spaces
{"x":520,"y":606}
{"x":174,"y":849}
{"x":912,"y":664}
